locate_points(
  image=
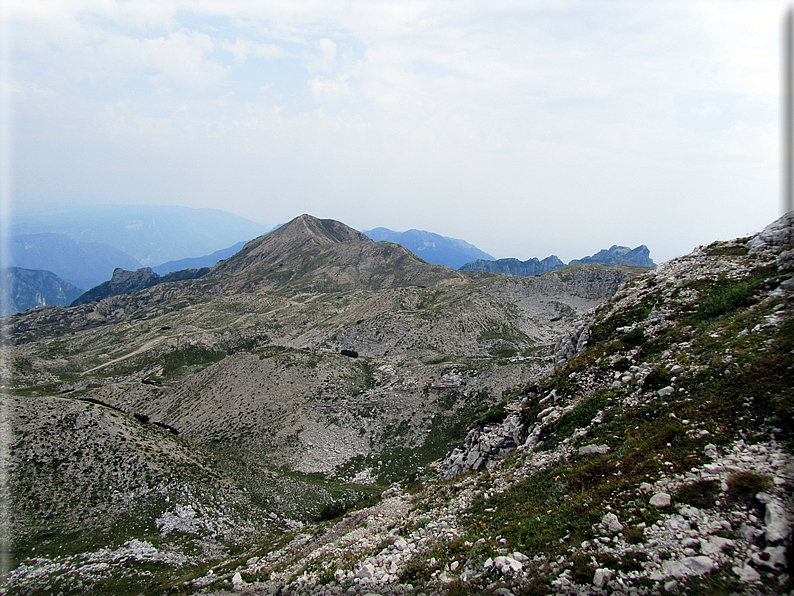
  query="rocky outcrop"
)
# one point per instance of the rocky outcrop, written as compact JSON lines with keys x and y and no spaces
{"x":615,"y":255}
{"x":777,"y":234}
{"x":531,"y":266}
{"x":620,"y":255}
{"x":485,"y":446}
{"x":128,"y":282}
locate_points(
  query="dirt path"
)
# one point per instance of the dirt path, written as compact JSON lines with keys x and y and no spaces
{"x":143,"y":348}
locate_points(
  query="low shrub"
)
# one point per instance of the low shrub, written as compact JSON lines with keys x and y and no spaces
{"x":331,"y":511}
{"x":657,"y":379}
{"x":745,"y":485}
{"x":702,"y":494}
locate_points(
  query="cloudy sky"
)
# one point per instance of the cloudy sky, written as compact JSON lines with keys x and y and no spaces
{"x":525,"y":127}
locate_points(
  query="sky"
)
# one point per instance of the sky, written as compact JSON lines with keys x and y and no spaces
{"x":527,"y":128}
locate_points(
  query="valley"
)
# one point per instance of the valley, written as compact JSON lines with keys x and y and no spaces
{"x":322,"y":413}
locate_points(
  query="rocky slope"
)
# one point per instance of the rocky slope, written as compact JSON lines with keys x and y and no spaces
{"x":657,"y":458}
{"x":295,"y":379}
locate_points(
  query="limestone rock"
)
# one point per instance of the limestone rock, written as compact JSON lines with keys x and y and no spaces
{"x":587,"y":449}
{"x":610,"y":522}
{"x":772,"y":557}
{"x":746,"y":574}
{"x":700,"y":565}
{"x":777,"y":525}
{"x":508,"y":564}
{"x":601,"y":577}
{"x":714,"y":545}
{"x":660,"y":499}
{"x":666,"y":391}
{"x":779,"y":233}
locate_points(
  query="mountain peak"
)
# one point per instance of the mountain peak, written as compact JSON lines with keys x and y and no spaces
{"x":313,"y":254}
{"x":326,"y":231}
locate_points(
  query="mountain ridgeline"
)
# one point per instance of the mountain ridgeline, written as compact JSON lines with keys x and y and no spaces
{"x":433,"y":248}
{"x":615,"y":255}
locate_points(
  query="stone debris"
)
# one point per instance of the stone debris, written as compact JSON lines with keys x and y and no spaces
{"x":611,"y":523}
{"x":660,"y":499}
{"x":588,"y":449}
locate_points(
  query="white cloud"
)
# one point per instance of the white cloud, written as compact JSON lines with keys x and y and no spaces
{"x":242,"y":48}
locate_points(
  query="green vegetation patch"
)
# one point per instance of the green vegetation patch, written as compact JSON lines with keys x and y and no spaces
{"x":702,"y":494}
{"x":191,"y":355}
{"x":606,"y":326}
{"x":579,"y":417}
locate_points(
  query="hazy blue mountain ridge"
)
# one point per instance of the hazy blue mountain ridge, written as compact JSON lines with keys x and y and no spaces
{"x":198,"y":262}
{"x":532,"y":266}
{"x":82,"y":264}
{"x":151,"y":234}
{"x":21,"y":289}
{"x":431,"y":247}
{"x":615,"y":255}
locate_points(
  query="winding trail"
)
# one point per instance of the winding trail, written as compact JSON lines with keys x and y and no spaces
{"x":149,"y":344}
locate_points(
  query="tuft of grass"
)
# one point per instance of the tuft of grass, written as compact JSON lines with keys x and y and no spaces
{"x":634,"y":535}
{"x":657,"y":379}
{"x":702,"y":494}
{"x":727,"y":296}
{"x":745,"y":485}
{"x":495,"y":415}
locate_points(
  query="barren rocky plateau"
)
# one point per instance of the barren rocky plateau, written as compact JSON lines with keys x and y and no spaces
{"x":330,"y":415}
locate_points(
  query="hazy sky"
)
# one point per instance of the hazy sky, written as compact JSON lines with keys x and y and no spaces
{"x":525,"y":127}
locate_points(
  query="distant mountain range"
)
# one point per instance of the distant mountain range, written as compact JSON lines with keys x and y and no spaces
{"x":531,"y":266}
{"x":86,"y":245}
{"x":150,"y":234}
{"x":82,"y":264}
{"x":433,"y":248}
{"x":197,"y":262}
{"x":21,"y":289}
{"x":615,"y":255}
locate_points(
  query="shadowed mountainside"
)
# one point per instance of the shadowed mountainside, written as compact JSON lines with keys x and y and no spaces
{"x":23,"y":289}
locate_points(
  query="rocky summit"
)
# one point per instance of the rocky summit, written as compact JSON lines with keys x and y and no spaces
{"x":325,"y":414}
